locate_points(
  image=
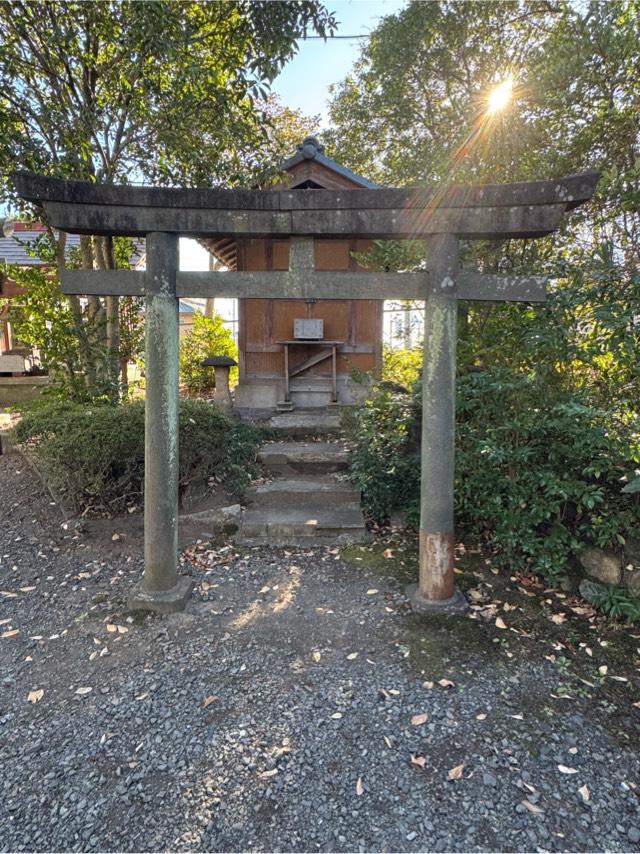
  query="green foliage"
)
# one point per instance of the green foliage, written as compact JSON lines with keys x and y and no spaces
{"x":209,"y":337}
{"x":93,"y":455}
{"x":41,"y":317}
{"x":412,"y":100}
{"x":168,"y":91}
{"x":548,"y":396}
{"x":616,"y":602}
{"x":385,"y":461}
{"x":402,"y":366}
{"x":537,"y":475}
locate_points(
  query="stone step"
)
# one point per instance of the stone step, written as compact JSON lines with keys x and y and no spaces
{"x":303,"y":492}
{"x":304,"y":423}
{"x":318,"y":458}
{"x":316,"y":525}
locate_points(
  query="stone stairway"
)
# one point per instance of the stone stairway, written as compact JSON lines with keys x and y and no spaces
{"x":310,"y":500}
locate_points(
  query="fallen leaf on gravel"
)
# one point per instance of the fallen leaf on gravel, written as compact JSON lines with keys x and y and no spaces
{"x":10,"y":634}
{"x":387,"y":741}
{"x":207,"y":700}
{"x":359,"y":787}
{"x":8,"y":594}
{"x":573,"y":750}
{"x":603,"y":670}
{"x":619,"y":678}
{"x":316,"y":655}
{"x":352,"y":655}
{"x":115,"y":537}
{"x":564,"y":769}
{"x":481,"y":717}
{"x":445,"y":683}
{"x":142,"y":696}
{"x":387,"y":553}
{"x":420,"y":761}
{"x":517,"y":717}
{"x":508,"y":607}
{"x":34,"y":696}
{"x":372,"y":591}
{"x":500,"y":623}
{"x":83,"y":691}
{"x":558,"y":618}
{"x":111,"y":627}
{"x":271,"y":773}
{"x":532,"y":807}
{"x":455,"y":773}
{"x":336,"y":716}
{"x":427,"y":685}
{"x":584,"y":792}
{"x":122,"y":629}
{"x":26,"y":589}
{"x":418,"y":720}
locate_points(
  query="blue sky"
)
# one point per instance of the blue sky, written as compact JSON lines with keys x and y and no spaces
{"x":304,"y":82}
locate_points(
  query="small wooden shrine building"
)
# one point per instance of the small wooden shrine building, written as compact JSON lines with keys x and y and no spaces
{"x":320,"y":359}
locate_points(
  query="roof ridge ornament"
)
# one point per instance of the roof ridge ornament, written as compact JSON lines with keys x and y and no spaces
{"x":310,"y":147}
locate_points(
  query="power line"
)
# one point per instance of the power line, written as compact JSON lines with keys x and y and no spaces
{"x":332,"y":38}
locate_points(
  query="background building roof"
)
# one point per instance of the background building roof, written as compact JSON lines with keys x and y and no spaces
{"x":13,"y":250}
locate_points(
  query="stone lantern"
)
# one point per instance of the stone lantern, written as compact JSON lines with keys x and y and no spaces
{"x":221,"y":366}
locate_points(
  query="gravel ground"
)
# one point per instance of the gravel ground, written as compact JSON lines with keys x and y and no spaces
{"x":297,"y":705}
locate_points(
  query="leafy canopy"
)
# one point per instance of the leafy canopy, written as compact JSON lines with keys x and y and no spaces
{"x":156,"y":91}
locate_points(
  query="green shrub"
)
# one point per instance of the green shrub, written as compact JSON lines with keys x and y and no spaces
{"x":209,"y":337}
{"x":94,"y":455}
{"x":385,"y":462}
{"x":402,"y":366}
{"x":615,"y":602}
{"x":537,"y":476}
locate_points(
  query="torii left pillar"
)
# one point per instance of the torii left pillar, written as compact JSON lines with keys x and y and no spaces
{"x":161,"y":588}
{"x":436,"y":592}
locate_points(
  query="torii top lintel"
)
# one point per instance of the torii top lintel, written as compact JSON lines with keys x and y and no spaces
{"x":490,"y":211}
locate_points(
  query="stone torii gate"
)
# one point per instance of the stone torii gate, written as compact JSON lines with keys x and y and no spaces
{"x":440,"y":217}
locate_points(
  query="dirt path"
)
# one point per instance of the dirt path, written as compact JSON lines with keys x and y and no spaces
{"x":286,"y":710}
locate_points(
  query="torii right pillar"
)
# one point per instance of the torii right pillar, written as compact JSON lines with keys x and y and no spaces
{"x":436,"y":592}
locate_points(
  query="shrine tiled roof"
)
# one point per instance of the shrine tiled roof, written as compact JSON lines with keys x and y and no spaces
{"x":311,"y":149}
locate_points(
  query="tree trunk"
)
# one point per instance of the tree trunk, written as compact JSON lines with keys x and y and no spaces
{"x":106,"y":261}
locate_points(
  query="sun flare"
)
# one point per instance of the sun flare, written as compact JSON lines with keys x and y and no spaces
{"x":500,"y":96}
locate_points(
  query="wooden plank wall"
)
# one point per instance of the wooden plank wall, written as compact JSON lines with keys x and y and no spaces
{"x":265,"y":322}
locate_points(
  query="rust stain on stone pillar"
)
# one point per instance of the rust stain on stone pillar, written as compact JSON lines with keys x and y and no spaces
{"x":436,"y":565}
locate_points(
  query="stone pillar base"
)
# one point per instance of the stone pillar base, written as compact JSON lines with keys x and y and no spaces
{"x":457,"y":604}
{"x":161,"y":601}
